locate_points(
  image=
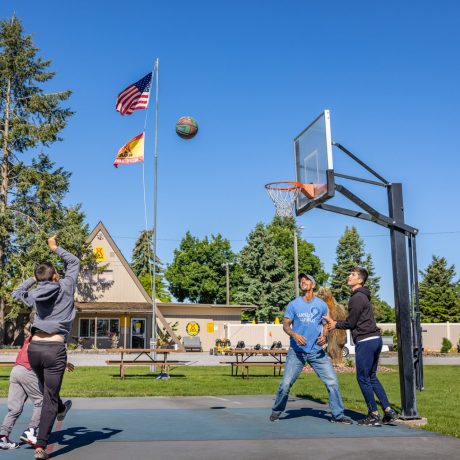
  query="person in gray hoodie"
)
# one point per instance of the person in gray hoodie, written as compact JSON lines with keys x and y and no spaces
{"x":53,"y":301}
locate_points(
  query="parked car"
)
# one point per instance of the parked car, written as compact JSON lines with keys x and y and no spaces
{"x":349,"y":348}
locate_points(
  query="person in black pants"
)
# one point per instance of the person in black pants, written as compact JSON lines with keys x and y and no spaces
{"x":53,"y":300}
{"x":366,"y":336}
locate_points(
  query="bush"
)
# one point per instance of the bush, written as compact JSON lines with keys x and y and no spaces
{"x":71,"y":346}
{"x":446,"y":345}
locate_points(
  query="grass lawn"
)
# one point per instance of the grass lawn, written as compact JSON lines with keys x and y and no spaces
{"x":439,"y":402}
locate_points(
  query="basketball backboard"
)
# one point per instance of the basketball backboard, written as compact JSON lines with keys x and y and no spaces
{"x":313,"y":164}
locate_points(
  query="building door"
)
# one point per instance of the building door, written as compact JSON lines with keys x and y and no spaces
{"x":138,"y":333}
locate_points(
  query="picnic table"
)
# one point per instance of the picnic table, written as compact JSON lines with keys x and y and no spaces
{"x":244,"y":358}
{"x":145,"y":357}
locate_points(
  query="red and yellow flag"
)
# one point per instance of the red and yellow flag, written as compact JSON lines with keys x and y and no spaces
{"x":131,"y":152}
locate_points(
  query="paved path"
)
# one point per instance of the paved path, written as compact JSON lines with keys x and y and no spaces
{"x":210,"y":428}
{"x":205,"y":359}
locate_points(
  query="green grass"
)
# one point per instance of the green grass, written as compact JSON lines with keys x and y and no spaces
{"x":439,"y":402}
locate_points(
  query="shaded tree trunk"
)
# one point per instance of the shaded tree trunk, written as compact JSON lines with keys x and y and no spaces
{"x":3,"y":204}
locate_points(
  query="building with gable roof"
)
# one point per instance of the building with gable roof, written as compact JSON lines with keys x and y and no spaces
{"x":112,"y":301}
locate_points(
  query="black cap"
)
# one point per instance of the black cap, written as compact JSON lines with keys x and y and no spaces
{"x":309,"y":277}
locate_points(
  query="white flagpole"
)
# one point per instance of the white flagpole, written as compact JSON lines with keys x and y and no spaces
{"x":155,"y":196}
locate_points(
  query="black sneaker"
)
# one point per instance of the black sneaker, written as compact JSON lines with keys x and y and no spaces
{"x":344,"y":420}
{"x":65,"y":409}
{"x":275,"y":416}
{"x":390,"y":416}
{"x":370,"y":420}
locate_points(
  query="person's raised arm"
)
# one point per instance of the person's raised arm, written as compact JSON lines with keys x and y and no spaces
{"x":72,"y":262}
{"x":21,"y":293}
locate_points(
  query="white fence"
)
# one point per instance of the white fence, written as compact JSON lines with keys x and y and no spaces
{"x":266,"y":334}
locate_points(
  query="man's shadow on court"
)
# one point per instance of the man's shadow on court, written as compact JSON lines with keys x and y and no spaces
{"x":79,"y":436}
{"x":316,"y":412}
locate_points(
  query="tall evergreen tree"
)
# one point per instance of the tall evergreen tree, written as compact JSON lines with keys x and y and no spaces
{"x":36,"y":211}
{"x":28,"y":118}
{"x":198,"y":271}
{"x":142,"y":265}
{"x":439,"y":293}
{"x":266,"y":282}
{"x":282,"y":230}
{"x":351,"y":253}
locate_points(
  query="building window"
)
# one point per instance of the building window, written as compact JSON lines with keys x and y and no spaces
{"x":105,"y":327}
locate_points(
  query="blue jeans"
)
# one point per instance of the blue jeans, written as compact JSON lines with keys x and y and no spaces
{"x":367,"y":359}
{"x":321,"y":364}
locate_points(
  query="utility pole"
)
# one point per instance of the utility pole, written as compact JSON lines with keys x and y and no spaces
{"x":227,"y":278}
{"x":296,"y":260}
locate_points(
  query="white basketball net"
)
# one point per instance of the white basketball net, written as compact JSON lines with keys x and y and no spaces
{"x":283,"y":195}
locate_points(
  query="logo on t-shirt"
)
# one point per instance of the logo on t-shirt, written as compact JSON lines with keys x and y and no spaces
{"x":309,"y":316}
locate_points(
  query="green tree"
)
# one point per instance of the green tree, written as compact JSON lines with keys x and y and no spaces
{"x":266,"y":282}
{"x":198,"y":271}
{"x":29,"y":118}
{"x":142,"y":265}
{"x":282,"y":230}
{"x":350,"y":253}
{"x":439,"y":293}
{"x":36,"y":211}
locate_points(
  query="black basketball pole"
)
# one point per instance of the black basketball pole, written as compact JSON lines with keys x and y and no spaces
{"x":402,"y":304}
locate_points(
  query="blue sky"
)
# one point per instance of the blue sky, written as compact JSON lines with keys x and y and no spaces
{"x":254,"y":74}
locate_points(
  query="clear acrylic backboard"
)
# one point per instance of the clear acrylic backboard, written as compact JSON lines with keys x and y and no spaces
{"x":313,"y":163}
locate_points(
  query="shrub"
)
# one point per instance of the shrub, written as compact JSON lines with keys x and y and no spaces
{"x":71,"y":346}
{"x":446,"y":345}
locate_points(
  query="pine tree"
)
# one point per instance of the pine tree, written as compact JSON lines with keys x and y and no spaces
{"x":349,"y":254}
{"x":282,"y":231}
{"x":439,"y":293}
{"x":142,"y":265}
{"x":36,"y":211}
{"x":28,"y":118}
{"x":266,"y":282}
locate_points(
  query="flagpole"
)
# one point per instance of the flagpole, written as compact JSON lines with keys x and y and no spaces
{"x":155,"y":193}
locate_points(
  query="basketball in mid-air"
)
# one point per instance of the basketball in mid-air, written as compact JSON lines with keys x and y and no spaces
{"x":186,"y":127}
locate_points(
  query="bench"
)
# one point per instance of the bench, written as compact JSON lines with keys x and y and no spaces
{"x":247,"y":365}
{"x":192,"y":343}
{"x":7,"y":363}
{"x":164,"y":366}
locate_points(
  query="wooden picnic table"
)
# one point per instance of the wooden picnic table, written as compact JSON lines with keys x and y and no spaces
{"x":145,"y":357}
{"x":243,"y":359}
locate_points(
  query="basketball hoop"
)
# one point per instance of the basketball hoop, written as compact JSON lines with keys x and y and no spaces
{"x":284,"y":195}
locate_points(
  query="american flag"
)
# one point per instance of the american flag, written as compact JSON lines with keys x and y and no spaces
{"x":135,"y":96}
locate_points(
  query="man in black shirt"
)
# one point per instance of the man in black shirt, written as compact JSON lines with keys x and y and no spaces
{"x":366,"y":336}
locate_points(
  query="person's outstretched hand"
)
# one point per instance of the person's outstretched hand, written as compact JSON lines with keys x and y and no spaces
{"x":52,"y":243}
{"x":330,"y":322}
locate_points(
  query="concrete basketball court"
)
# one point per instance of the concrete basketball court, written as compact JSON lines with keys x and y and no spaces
{"x":223,"y":428}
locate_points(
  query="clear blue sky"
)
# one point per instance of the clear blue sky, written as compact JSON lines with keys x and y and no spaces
{"x":254,"y":74}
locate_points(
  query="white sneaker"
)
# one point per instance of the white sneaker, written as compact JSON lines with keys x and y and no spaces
{"x":6,"y":444}
{"x":67,"y":406}
{"x":29,"y":436}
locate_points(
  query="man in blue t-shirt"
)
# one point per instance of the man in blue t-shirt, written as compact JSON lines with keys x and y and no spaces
{"x":303,"y":322}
